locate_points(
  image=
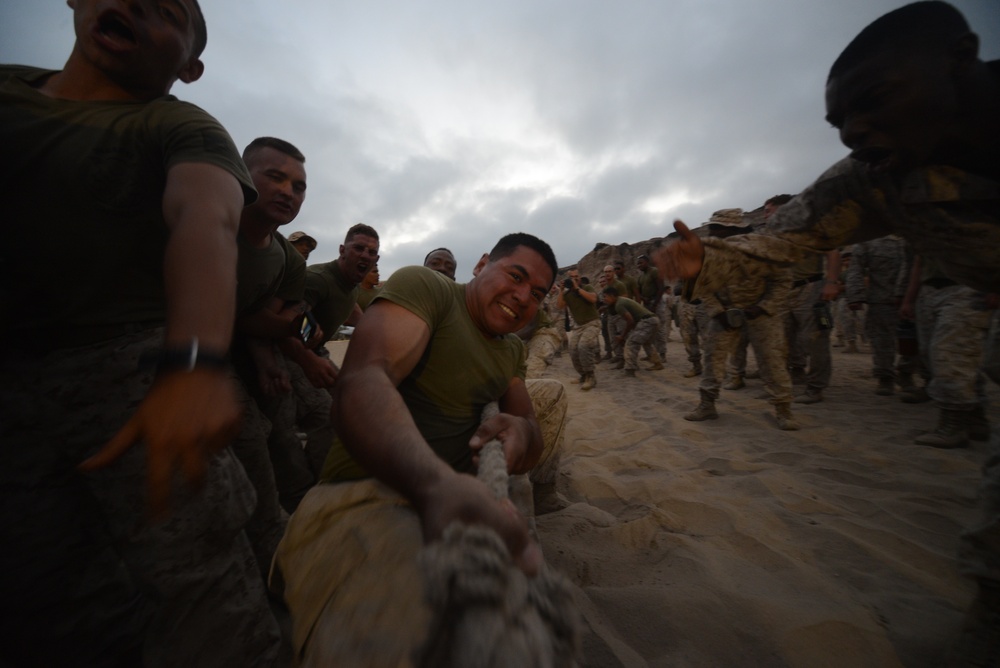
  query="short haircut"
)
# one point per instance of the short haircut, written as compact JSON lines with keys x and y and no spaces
{"x":619,"y":263}
{"x":508,"y":244}
{"x":922,"y":26}
{"x":778,"y":200}
{"x":200,"y":30}
{"x":275,"y":143}
{"x":611,"y":290}
{"x":446,"y":250}
{"x":361,"y":228}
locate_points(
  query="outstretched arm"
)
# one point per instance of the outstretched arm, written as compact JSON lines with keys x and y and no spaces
{"x":681,"y":259}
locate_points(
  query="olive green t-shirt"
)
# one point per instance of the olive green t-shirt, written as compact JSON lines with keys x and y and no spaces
{"x":631,"y":286}
{"x":263,"y":273}
{"x":331,"y":296}
{"x":459,"y":373}
{"x":87,"y":179}
{"x":649,"y":283}
{"x":634,"y":308}
{"x":581,"y":310}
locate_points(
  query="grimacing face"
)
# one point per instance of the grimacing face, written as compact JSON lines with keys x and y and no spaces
{"x":142,"y":51}
{"x":505,"y":294}
{"x":357,"y":256}
{"x":896,"y":110}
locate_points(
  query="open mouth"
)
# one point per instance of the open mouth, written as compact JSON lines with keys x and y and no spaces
{"x":878,"y":157}
{"x":115,"y":29}
{"x":508,"y":311}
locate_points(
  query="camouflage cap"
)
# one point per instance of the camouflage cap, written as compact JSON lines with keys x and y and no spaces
{"x":302,"y":236}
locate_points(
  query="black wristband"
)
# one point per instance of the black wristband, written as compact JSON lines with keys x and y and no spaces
{"x":189,"y":357}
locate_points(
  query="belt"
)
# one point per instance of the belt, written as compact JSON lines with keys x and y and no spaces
{"x":805,"y":281}
{"x":939,"y":282}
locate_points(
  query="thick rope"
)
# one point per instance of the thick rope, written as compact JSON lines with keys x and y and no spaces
{"x":487,"y":613}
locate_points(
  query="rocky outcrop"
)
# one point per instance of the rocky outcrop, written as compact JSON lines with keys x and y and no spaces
{"x":592,"y":264}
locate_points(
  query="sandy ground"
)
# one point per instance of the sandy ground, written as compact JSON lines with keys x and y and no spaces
{"x":731,"y":543}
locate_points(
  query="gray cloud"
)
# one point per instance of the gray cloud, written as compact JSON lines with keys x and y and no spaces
{"x":447,"y":123}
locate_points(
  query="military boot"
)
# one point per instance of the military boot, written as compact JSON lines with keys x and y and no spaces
{"x":952,"y":430}
{"x":851,"y":347}
{"x":589,"y":382}
{"x":705,"y":409}
{"x":735,"y":383}
{"x":657,"y":362}
{"x":783,"y":413}
{"x":886,"y":386}
{"x":695,"y":370}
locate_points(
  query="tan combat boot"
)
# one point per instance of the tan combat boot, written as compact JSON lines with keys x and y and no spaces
{"x":705,"y":409}
{"x":783,"y":412}
{"x":695,"y":370}
{"x":589,"y":382}
{"x":952,"y":430}
{"x":735,"y":383}
{"x":657,"y":362}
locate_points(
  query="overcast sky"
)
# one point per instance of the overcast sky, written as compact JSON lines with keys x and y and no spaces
{"x":453,"y":122}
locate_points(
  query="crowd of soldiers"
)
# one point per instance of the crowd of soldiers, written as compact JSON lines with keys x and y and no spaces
{"x":926,"y":333}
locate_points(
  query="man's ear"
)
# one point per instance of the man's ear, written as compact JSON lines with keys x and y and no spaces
{"x":191,"y":71}
{"x":483,"y":261}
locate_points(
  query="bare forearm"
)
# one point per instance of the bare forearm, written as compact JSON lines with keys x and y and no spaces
{"x":375,"y":425}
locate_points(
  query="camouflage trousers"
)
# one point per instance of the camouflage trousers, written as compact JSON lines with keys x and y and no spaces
{"x":847,"y":323}
{"x":542,"y":347}
{"x":646,"y":335}
{"x":979,"y":552}
{"x":766,"y":335}
{"x":348,"y":565}
{"x":87,"y":577}
{"x":687,"y":314}
{"x":881,"y":324}
{"x":584,"y":346}
{"x":663,"y":314}
{"x":616,"y":326}
{"x":737,"y":362}
{"x":808,"y":344}
{"x":952,"y":325}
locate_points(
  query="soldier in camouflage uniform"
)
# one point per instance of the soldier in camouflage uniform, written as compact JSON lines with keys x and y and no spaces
{"x":925,"y":164}
{"x":758,"y":292}
{"x":877,"y":277}
{"x":584,"y":341}
{"x":651,"y":291}
{"x":615,"y":322}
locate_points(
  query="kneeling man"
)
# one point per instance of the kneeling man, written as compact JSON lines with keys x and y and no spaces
{"x":425,"y":360}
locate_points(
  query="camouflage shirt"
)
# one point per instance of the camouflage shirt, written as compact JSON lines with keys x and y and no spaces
{"x":883,"y":263}
{"x":942,"y":212}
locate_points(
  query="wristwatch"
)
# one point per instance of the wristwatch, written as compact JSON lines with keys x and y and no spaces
{"x":188,"y":357}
